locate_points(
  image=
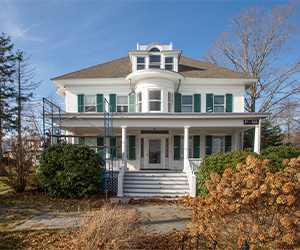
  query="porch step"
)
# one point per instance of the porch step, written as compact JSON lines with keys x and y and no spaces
{"x":161,"y":185}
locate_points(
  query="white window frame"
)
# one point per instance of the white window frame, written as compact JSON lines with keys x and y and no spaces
{"x":219,"y":105}
{"x":219,"y":148}
{"x":154,"y":100}
{"x":169,"y":64}
{"x":139,"y":63}
{"x":187,"y":105}
{"x":139,"y":102}
{"x":155,"y":63}
{"x":170,"y":102}
{"x":87,"y":108}
{"x":122,"y":105}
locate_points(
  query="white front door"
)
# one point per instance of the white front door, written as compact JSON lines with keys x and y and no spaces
{"x":155,"y":153}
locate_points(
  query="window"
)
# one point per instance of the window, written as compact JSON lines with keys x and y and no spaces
{"x":91,"y":142}
{"x":154,"y":62}
{"x":170,"y":102}
{"x":140,"y":63}
{"x":169,"y":63}
{"x":167,"y":147}
{"x":218,"y":144}
{"x":190,"y":147}
{"x":187,"y":103}
{"x":139,"y":101}
{"x":122,"y":103}
{"x":90,"y":103}
{"x":219,"y":103}
{"x":155,"y":49}
{"x":155,"y":100}
{"x":142,"y":147}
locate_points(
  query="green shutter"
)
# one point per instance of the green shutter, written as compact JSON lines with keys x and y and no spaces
{"x":209,"y":140}
{"x":177,"y":142}
{"x":209,"y":103}
{"x":80,"y":102}
{"x":131,"y":146}
{"x":132,"y":103}
{"x":228,"y":139}
{"x":177,"y":107}
{"x":196,"y":144}
{"x":99,"y":102}
{"x":228,"y":102}
{"x":113,"y":102}
{"x":81,"y":141}
{"x":113,"y":151}
{"x":100,"y":151}
{"x":197,"y":103}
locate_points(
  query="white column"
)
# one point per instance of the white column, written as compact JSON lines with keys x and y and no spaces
{"x":124,"y":147}
{"x":257,"y":138}
{"x":186,"y":146}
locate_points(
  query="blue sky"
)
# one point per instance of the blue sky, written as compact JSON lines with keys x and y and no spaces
{"x":65,"y":36}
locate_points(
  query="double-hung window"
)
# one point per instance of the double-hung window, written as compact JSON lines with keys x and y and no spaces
{"x":218,"y":144}
{"x":91,"y":142}
{"x":219,"y":103}
{"x":190,"y":147}
{"x":170,"y":102}
{"x":122,"y":104}
{"x":154,"y":62}
{"x":169,"y":63}
{"x":140,"y":63}
{"x":154,"y":100}
{"x":90,"y":103}
{"x":139,"y":101}
{"x":187,"y":103}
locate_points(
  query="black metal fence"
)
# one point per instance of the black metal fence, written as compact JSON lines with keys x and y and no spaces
{"x":187,"y":243}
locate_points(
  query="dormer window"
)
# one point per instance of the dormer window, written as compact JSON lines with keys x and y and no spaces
{"x":169,"y":63}
{"x":154,"y":62}
{"x":140,"y":63}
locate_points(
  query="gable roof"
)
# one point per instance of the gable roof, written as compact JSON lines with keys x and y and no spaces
{"x":188,"y":67}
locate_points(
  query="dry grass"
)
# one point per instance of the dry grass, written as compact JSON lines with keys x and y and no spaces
{"x":3,"y":186}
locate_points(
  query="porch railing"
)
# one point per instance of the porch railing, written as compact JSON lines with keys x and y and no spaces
{"x":191,"y":178}
{"x":121,"y":180}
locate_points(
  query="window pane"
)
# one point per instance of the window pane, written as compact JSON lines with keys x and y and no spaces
{"x":169,"y":67}
{"x":139,"y":97}
{"x":169,"y":60}
{"x":140,"y":66}
{"x":154,"y":59}
{"x":219,"y":109}
{"x":187,"y":99}
{"x":186,"y":109}
{"x":155,"y":106}
{"x":90,"y":100}
{"x":139,"y":107}
{"x":155,"y":49}
{"x":91,"y":141}
{"x":167,"y":148}
{"x":218,"y":99}
{"x":90,"y":109}
{"x":142,"y":147}
{"x":122,"y":100}
{"x":170,"y":97}
{"x":154,"y":66}
{"x":140,"y":60}
{"x":170,"y":107}
{"x":154,"y":95}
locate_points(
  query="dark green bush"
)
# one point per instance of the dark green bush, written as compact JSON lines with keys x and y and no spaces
{"x":218,"y":162}
{"x":69,"y":171}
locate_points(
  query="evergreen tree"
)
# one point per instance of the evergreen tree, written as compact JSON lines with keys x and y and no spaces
{"x":7,"y":91}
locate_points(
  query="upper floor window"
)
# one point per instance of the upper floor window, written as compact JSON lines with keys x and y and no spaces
{"x":90,"y":103}
{"x":122,"y":104}
{"x":139,"y":101}
{"x":155,"y":100}
{"x":140,"y":63}
{"x":154,"y":62}
{"x":169,"y":63}
{"x":170,"y":102}
{"x":187,"y":103}
{"x":219,"y":103}
{"x":155,"y":49}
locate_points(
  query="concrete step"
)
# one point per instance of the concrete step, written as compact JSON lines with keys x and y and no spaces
{"x":165,"y":182}
{"x":154,"y":174}
{"x":140,"y":195}
{"x":157,"y":187}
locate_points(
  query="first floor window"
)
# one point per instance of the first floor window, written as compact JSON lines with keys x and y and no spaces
{"x":190,"y":147}
{"x":122,"y":104}
{"x":91,"y":142}
{"x":90,"y":103}
{"x":155,"y":100}
{"x":218,"y":144}
{"x":139,"y":101}
{"x":219,"y":101}
{"x":194,"y":147}
{"x":187,"y":103}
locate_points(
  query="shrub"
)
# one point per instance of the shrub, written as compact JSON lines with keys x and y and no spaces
{"x":69,"y":171}
{"x":217,"y":163}
{"x":252,"y":204}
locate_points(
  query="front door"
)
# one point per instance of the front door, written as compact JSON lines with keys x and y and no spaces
{"x":155,"y":153}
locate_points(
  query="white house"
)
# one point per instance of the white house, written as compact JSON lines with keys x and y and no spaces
{"x":168,"y":112}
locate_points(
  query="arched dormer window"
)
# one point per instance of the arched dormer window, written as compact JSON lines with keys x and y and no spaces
{"x":154,"y":49}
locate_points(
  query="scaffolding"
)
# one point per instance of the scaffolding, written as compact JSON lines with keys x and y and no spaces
{"x":54,"y":132}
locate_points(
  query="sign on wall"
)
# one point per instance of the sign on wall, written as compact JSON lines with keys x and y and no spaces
{"x":251,"y":122}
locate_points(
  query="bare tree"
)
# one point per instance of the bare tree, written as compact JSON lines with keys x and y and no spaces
{"x":258,"y":42}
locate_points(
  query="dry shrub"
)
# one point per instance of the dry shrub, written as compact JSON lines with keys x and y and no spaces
{"x":252,"y":204}
{"x":112,"y":227}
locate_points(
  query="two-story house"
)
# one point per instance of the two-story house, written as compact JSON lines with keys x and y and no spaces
{"x":169,"y":111}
